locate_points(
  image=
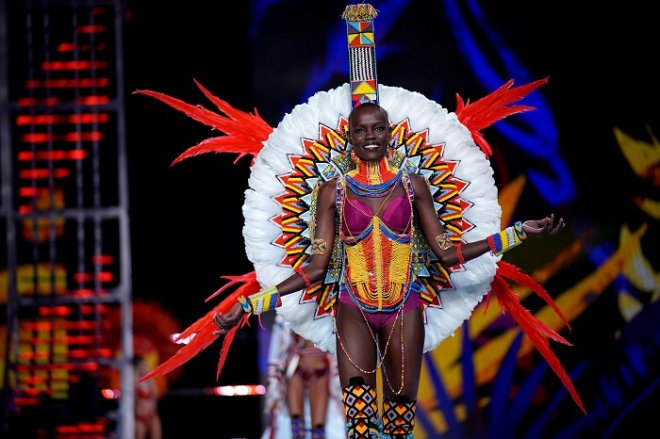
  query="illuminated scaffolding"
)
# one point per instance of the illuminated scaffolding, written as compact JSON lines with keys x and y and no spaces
{"x":64,"y":214}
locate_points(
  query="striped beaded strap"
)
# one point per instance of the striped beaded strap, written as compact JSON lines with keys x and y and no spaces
{"x":264,"y":300}
{"x":361,"y":52}
{"x":506,"y":239}
{"x":518,"y":227}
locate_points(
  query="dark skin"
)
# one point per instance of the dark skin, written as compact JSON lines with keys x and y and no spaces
{"x":369,"y":133}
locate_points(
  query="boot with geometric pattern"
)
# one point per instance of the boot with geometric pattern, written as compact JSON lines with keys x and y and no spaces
{"x":398,"y":419}
{"x":361,"y":410}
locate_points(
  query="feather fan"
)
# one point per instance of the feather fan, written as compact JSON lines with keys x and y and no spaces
{"x":536,"y":330}
{"x":245,"y":132}
{"x":493,"y":107}
{"x":203,"y":332}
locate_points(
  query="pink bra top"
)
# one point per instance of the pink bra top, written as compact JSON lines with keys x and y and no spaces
{"x":396,"y":215}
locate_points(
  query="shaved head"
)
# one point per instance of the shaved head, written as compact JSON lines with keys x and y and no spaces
{"x":368,"y":106}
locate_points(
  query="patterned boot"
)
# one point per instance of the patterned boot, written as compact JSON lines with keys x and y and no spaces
{"x":361,"y":410}
{"x":297,"y":427}
{"x":318,"y":432}
{"x":398,"y":419}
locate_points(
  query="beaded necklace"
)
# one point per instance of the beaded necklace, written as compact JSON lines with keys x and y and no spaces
{"x":373,"y":179}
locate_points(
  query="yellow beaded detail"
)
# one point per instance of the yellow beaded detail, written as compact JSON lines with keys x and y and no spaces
{"x":264,"y":300}
{"x":506,"y":239}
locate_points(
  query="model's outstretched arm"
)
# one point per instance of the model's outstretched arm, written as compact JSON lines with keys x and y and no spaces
{"x":322,"y":242}
{"x":450,"y":254}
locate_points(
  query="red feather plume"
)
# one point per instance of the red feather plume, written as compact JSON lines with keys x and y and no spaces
{"x":245,"y":132}
{"x":492,"y":108}
{"x":536,"y":330}
{"x":514,"y":273}
{"x":202,"y":332}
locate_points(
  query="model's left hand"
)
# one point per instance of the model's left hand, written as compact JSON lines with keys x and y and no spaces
{"x":547,"y":226}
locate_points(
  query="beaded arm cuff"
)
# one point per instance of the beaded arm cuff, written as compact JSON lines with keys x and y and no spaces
{"x":506,"y":239}
{"x":264,"y":300}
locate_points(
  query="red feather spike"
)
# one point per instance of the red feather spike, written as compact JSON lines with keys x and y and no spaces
{"x":492,"y":108}
{"x":202,"y":332}
{"x":216,"y":145}
{"x":249,"y":281}
{"x":196,"y":112}
{"x":486,"y":303}
{"x":537,"y":332}
{"x":226,"y":342}
{"x":252,"y":124}
{"x":515,"y":274}
{"x":245,"y":132}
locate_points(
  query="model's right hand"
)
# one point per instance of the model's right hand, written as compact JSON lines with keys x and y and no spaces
{"x":228,"y":320}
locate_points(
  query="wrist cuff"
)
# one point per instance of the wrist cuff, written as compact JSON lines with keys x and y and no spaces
{"x":264,"y":300}
{"x":506,"y":239}
{"x":518,"y":227}
{"x":244,"y":303}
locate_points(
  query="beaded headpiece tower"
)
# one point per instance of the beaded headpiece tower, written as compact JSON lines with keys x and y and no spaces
{"x":361,"y":53}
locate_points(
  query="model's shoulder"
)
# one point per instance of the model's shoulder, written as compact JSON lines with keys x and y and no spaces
{"x":332,"y":183}
{"x":328,"y":186}
{"x":416,"y":179}
{"x":419,"y":183}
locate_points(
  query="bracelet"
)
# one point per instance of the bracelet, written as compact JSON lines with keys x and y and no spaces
{"x":244,"y":303}
{"x":506,"y":239}
{"x":459,"y":253}
{"x":518,"y":227}
{"x":491,"y":243}
{"x":264,"y":300}
{"x":300,"y":272}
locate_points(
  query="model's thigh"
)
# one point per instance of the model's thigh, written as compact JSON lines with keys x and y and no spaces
{"x":404,"y":338}
{"x":356,"y":346}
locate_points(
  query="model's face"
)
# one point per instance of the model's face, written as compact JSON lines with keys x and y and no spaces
{"x":369,"y":132}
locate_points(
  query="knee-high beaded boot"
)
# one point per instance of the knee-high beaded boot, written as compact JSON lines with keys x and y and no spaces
{"x":297,"y":427}
{"x":318,"y":432}
{"x":361,"y":410}
{"x":398,"y":419}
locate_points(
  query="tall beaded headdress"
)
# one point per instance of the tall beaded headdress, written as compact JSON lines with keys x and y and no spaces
{"x":361,"y":53}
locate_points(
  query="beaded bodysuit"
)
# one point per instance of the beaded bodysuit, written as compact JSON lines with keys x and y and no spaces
{"x":378,"y":272}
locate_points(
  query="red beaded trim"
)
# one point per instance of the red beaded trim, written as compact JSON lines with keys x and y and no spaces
{"x":491,"y":244}
{"x":459,"y":253}
{"x":299,"y":271}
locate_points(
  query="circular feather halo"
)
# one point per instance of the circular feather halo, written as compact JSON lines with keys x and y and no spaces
{"x":322,"y":121}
